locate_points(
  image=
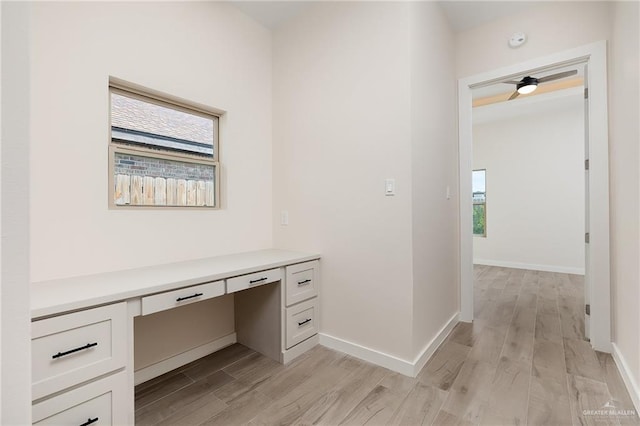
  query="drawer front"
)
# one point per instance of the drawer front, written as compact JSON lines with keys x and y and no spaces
{"x":98,"y":403}
{"x":302,"y":322}
{"x":302,"y":282}
{"x":184,"y":296}
{"x":244,"y":282}
{"x":69,"y":349}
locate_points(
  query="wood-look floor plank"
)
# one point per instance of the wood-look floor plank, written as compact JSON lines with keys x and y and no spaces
{"x":581,"y":360}
{"x":508,"y":395}
{"x":489,"y":345}
{"x":627,"y":414}
{"x":420,"y":407}
{"x":334,"y":405}
{"x":548,"y":359}
{"x":241,"y":410}
{"x":469,"y":394}
{"x":160,"y":387}
{"x":300,"y":399}
{"x":590,"y":401}
{"x":465,"y":333}
{"x":548,"y":402}
{"x":522,"y":361}
{"x":376,"y":408}
{"x":216,"y":361}
{"x":163,"y":408}
{"x":571,"y":317}
{"x":548,"y":320}
{"x":443,"y":368}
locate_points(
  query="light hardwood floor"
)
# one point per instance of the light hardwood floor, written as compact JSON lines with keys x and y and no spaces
{"x":523,"y":361}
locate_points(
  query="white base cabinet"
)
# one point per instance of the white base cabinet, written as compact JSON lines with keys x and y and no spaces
{"x":82,"y":349}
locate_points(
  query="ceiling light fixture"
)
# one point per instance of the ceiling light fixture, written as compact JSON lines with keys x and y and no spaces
{"x":527,"y":85}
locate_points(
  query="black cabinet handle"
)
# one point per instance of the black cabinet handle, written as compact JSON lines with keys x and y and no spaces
{"x":301,"y":323}
{"x":258,"y":280}
{"x":304,"y":282}
{"x":61,"y":354}
{"x":180,"y":299}
{"x":89,"y":421}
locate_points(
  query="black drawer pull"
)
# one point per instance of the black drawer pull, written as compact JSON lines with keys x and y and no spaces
{"x":301,"y":323}
{"x":180,"y":299}
{"x":61,"y":354}
{"x":304,"y":282}
{"x":258,"y":280}
{"x":89,"y":421}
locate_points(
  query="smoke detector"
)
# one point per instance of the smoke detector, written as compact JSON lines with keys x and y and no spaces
{"x":517,"y":40}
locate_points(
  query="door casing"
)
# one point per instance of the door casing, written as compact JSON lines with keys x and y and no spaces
{"x":598,"y":269}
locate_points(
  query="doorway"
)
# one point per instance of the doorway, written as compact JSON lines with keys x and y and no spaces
{"x":597,"y":294}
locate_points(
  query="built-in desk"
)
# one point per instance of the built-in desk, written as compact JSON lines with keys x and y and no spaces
{"x":82,"y":327}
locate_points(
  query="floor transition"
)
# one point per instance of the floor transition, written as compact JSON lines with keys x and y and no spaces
{"x":522,"y":362}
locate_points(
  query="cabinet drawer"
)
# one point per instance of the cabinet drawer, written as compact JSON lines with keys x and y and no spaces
{"x":184,"y":296}
{"x":302,"y":282}
{"x":69,"y":349}
{"x":244,"y":282}
{"x":98,"y":403}
{"x":302,"y":321}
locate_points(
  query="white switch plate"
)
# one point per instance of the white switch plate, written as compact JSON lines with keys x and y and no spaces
{"x":284,"y":217}
{"x":389,"y":187}
{"x":448,"y":192}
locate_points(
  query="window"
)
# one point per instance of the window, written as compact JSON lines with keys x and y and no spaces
{"x":479,"y":203}
{"x":163,"y":153}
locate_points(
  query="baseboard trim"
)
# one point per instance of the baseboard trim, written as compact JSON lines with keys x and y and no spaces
{"x":159,"y":368}
{"x":627,"y":377}
{"x":431,"y":347}
{"x":393,"y":363}
{"x":530,"y":266}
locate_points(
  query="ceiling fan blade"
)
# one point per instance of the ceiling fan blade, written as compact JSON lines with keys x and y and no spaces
{"x":514,"y":95}
{"x":511,"y":82}
{"x":557,"y":76}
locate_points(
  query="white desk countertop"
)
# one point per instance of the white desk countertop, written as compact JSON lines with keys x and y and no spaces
{"x":69,"y":294}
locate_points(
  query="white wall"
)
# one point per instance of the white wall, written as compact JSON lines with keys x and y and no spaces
{"x":624,"y":137}
{"x":15,"y":329}
{"x":534,"y":165}
{"x":550,"y":27}
{"x":341,"y":126}
{"x":210,"y":53}
{"x":434,"y":168}
{"x":364,"y":91}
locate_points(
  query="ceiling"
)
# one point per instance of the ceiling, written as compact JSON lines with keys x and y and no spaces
{"x":462,"y":15}
{"x":271,"y":14}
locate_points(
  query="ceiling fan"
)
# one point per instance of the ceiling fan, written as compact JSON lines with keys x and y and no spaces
{"x":528,"y":84}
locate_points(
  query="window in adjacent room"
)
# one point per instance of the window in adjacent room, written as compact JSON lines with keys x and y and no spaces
{"x":479,"y":203}
{"x":163,"y":152}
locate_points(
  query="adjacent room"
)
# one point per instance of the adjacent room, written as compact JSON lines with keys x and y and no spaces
{"x":351,"y":212}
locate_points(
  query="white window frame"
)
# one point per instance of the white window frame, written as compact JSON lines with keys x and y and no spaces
{"x":168,"y":101}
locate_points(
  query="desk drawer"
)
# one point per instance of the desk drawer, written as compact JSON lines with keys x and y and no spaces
{"x":244,"y":282}
{"x":302,"y":282}
{"x":302,"y":322}
{"x":184,"y":296}
{"x":69,"y":349}
{"x":98,"y":403}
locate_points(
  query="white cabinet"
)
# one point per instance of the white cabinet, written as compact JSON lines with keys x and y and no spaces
{"x":184,"y":296}
{"x":300,"y":311}
{"x":73,"y":348}
{"x":302,"y":282}
{"x":244,"y":282}
{"x":301,"y":322}
{"x":101,"y":402}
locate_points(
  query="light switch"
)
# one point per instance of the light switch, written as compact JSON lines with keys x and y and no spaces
{"x":389,"y":187}
{"x":284,"y":218}
{"x":448,"y":192}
